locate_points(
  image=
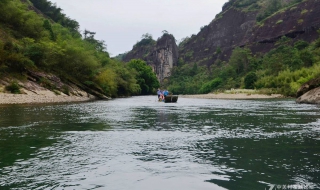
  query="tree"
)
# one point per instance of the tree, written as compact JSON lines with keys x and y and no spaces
{"x":146,"y":36}
{"x":47,"y":26}
{"x":145,"y":77}
{"x":99,"y":45}
{"x":211,"y":85}
{"x":146,"y":39}
{"x":240,"y":60}
{"x":249,"y":80}
{"x":164,"y":32}
{"x":86,"y":32}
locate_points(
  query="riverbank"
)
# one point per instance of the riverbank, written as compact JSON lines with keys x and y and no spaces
{"x":50,"y":90}
{"x":47,"y":96}
{"x":44,"y":96}
{"x":235,"y":96}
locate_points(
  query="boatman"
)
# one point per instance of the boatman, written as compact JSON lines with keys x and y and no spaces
{"x":159,"y":93}
{"x":165,"y":93}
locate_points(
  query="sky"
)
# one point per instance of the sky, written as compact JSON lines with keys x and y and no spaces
{"x":121,"y":23}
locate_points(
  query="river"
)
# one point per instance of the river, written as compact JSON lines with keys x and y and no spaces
{"x":140,"y":144}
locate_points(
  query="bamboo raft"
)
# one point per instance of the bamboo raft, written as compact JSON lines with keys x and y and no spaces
{"x":171,"y":99}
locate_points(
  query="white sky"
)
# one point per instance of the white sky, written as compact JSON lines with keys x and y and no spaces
{"x":121,"y":23}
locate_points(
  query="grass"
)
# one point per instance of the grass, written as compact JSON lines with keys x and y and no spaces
{"x":279,"y":22}
{"x":250,"y":91}
{"x":304,"y":11}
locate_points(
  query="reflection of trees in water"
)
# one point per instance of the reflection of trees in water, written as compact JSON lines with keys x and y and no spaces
{"x":26,"y":129}
{"x":22,"y":142}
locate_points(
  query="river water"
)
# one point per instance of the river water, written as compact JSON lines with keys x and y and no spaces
{"x":140,"y":144}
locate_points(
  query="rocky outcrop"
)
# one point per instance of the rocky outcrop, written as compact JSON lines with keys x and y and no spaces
{"x":238,"y":28}
{"x":311,"y":97}
{"x":310,"y":85}
{"x":233,"y":27}
{"x":309,"y":92}
{"x":299,"y":22}
{"x":164,"y":56}
{"x":227,"y":31}
{"x":161,"y":56}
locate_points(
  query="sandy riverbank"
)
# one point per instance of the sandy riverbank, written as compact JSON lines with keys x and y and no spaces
{"x":45,"y":96}
{"x":235,"y":96}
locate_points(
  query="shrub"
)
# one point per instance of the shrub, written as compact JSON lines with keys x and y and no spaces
{"x":65,"y":90}
{"x":211,"y":85}
{"x":13,"y":87}
{"x":44,"y":82}
{"x":304,"y":11}
{"x":279,"y":22}
{"x":249,"y":80}
{"x":301,"y":44}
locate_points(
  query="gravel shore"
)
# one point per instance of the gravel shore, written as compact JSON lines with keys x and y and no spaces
{"x":42,"y":97}
{"x":50,"y":97}
{"x":236,"y":96}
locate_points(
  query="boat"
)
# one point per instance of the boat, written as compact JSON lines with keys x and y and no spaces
{"x":171,"y":99}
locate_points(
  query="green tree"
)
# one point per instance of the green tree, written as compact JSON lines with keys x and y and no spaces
{"x":240,"y":60}
{"x":210,"y":86}
{"x":145,"y":77}
{"x":47,"y":26}
{"x":249,"y":80}
{"x":301,"y":44}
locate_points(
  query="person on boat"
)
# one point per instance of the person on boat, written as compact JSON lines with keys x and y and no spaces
{"x":165,"y":93}
{"x":159,"y":93}
{"x":161,"y":96}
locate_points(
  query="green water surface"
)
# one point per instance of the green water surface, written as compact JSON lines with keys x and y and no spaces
{"x":139,"y":143}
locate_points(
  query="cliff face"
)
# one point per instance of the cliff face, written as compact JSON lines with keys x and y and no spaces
{"x":299,"y":22}
{"x":225,"y":32}
{"x":237,"y":28}
{"x":161,"y":56}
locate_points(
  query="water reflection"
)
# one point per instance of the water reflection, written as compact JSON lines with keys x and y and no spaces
{"x":139,"y":143}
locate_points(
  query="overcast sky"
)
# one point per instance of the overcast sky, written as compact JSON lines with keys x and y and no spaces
{"x":121,"y":23}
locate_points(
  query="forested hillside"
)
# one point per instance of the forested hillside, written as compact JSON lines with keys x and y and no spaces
{"x":271,"y":45}
{"x":35,"y":36}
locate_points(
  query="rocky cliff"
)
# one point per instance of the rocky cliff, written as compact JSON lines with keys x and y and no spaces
{"x":254,"y":24}
{"x":238,"y":27}
{"x":234,"y":27}
{"x":161,"y":55}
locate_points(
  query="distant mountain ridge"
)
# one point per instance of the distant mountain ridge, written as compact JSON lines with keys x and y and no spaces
{"x":237,"y":26}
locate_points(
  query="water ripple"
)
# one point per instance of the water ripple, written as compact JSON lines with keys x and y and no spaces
{"x":139,"y":143}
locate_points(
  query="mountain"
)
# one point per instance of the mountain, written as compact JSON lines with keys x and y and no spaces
{"x":41,"y":48}
{"x":270,"y":45}
{"x":161,"y":55}
{"x":237,"y":26}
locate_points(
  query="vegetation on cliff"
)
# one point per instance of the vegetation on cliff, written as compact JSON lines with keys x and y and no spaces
{"x":39,"y":36}
{"x":265,"y":8}
{"x":283,"y":69}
